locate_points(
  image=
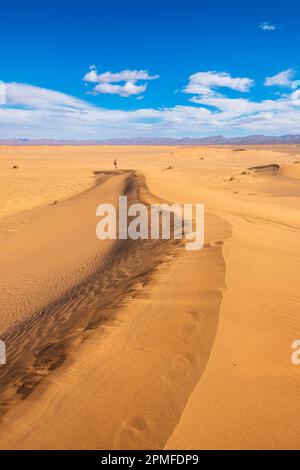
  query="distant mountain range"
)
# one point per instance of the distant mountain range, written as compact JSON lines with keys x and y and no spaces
{"x":186,"y":141}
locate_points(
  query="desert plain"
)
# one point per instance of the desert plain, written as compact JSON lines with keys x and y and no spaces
{"x":147,"y":345}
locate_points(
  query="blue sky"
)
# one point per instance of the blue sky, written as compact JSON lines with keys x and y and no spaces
{"x":170,"y":68}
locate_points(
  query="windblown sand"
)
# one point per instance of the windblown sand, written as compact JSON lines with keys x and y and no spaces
{"x":147,"y":345}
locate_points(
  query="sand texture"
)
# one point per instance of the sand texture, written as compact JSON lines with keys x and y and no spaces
{"x":142,"y":344}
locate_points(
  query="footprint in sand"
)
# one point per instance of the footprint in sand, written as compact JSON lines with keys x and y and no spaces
{"x":133,"y":432}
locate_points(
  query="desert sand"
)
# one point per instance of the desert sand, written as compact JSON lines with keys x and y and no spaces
{"x":144,"y":345}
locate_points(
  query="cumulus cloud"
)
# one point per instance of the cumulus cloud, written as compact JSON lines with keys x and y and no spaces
{"x":206,"y":83}
{"x":122,"y":83}
{"x":283,"y":79}
{"x":128,"y":89}
{"x":33,"y":112}
{"x":266,"y":26}
{"x":123,"y":76}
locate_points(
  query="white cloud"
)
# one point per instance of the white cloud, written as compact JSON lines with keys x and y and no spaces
{"x":282,"y":79}
{"x":241,"y":106}
{"x":206,"y":83}
{"x":128,"y":89}
{"x":123,"y":76}
{"x":122,"y":83}
{"x":20,"y":94}
{"x":266,"y":26}
{"x":295,"y":97}
{"x":33,"y":112}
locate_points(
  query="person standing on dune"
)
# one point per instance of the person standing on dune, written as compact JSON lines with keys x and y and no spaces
{"x":116,"y":164}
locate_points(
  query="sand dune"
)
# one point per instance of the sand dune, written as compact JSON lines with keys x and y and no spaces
{"x":272,"y":169}
{"x":148,"y":345}
{"x":29,"y":239}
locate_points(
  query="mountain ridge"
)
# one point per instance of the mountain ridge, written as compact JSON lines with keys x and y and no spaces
{"x":169,"y":141}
